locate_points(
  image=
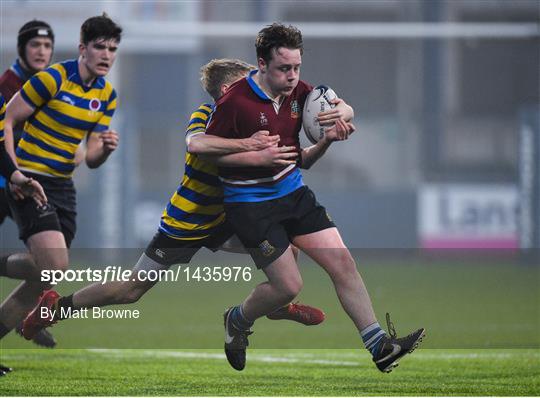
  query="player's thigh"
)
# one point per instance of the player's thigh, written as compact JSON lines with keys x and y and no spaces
{"x":67,"y":217}
{"x":48,"y":248}
{"x":326,"y":248}
{"x":259,"y":229}
{"x":148,"y":270}
{"x":283,"y":273}
{"x":165,"y":251}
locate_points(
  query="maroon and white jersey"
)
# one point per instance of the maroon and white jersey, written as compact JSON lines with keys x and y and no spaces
{"x":241,"y":112}
{"x":11,"y":81}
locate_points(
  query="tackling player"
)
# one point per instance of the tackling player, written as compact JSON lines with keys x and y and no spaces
{"x":60,"y":106}
{"x":35,"y":45}
{"x":193,"y":218}
{"x":271,"y":207}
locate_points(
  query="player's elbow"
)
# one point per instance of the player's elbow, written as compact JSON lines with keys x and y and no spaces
{"x":194,"y":147}
{"x":304,"y":162}
{"x":91,"y":164}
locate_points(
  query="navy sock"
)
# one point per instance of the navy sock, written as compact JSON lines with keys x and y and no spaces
{"x":372,"y":336}
{"x":65,"y":302}
{"x":238,"y":319}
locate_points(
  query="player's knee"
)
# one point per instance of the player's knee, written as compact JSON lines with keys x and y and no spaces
{"x":344,"y":266}
{"x":291,"y":289}
{"x":295,"y":252}
{"x":59,"y":264}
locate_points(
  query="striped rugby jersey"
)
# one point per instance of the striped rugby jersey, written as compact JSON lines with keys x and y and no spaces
{"x":2,"y":114}
{"x":195,"y":210}
{"x":245,"y":109}
{"x":66,"y":111}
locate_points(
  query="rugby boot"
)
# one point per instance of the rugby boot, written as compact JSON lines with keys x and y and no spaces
{"x":236,"y":342}
{"x":300,"y":313}
{"x":392,"y":348}
{"x":43,"y":338}
{"x":34,"y":322}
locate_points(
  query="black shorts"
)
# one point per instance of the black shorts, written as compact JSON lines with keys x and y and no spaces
{"x":59,"y":214}
{"x":266,"y":228}
{"x":169,"y":251}
{"x":4,"y":206}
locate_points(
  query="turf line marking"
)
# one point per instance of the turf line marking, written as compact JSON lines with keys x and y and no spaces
{"x":309,"y":358}
{"x":221,"y":357}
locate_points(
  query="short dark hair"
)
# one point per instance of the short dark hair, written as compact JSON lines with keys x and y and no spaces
{"x":100,"y":27}
{"x":275,"y":36}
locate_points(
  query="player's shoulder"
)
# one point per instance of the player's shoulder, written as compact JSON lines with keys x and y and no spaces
{"x":8,"y":77}
{"x":236,"y":94}
{"x":304,"y":87}
{"x":202,"y":113}
{"x":205,"y":108}
{"x":10,"y":83}
{"x":2,"y":102}
{"x":60,"y":70}
{"x":107,"y":87}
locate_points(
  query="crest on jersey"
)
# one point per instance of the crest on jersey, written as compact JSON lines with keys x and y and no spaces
{"x":295,"y":114}
{"x":263,"y":119}
{"x":94,"y":104}
{"x":267,"y":249}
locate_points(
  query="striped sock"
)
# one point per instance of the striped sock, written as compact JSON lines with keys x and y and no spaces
{"x":371,"y":336}
{"x":238,"y":319}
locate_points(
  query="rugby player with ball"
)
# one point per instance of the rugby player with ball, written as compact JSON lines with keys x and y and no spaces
{"x":272,"y":208}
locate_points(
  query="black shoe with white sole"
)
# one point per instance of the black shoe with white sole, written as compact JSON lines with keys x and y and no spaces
{"x":4,"y":370}
{"x":393,"y":348}
{"x":236,"y":342}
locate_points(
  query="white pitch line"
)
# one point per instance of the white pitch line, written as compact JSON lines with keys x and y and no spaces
{"x":310,"y":358}
{"x":207,"y":355}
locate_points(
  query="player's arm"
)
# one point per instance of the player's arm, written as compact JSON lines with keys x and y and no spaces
{"x":212,"y":145}
{"x":80,"y":154}
{"x":102,"y":140}
{"x":341,"y":110}
{"x":339,"y":132}
{"x":268,"y":157}
{"x":21,"y":186}
{"x":17,"y":111}
{"x":263,"y":149}
{"x":99,"y":146}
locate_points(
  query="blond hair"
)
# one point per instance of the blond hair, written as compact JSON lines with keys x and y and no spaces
{"x":222,"y":71}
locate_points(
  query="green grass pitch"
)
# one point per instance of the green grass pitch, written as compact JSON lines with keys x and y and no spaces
{"x":482,"y":321}
{"x":269,"y":372}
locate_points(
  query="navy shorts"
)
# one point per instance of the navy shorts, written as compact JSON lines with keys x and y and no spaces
{"x":59,"y":214}
{"x":166,"y":250}
{"x":267,"y":228}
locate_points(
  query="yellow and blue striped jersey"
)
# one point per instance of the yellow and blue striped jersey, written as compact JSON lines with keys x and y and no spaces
{"x":195,"y":210}
{"x":66,"y":110}
{"x":2,"y":114}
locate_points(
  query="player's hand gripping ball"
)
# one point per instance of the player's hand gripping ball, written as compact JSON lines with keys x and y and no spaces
{"x":319,"y":100}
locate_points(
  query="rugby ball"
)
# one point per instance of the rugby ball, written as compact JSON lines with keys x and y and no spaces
{"x":317,"y":101}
